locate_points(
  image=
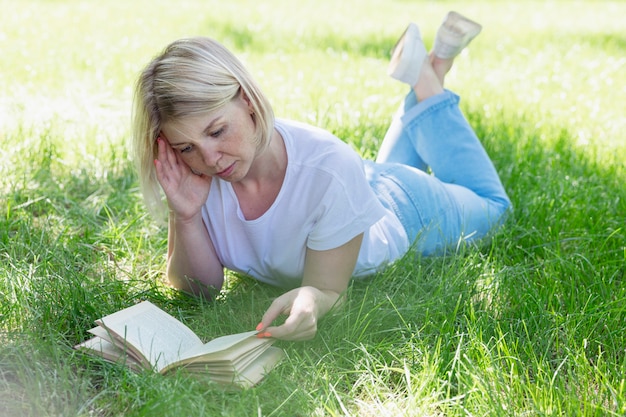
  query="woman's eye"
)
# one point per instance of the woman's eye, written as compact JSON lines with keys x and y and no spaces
{"x":217,"y":133}
{"x":185,"y":149}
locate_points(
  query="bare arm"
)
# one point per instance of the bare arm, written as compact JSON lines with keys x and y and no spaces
{"x":326,"y":277}
{"x":192,"y":263}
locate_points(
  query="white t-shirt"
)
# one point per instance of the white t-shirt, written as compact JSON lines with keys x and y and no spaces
{"x":324,"y":202}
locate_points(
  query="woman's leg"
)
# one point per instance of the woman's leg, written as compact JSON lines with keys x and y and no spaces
{"x":409,"y":64}
{"x":465,"y":196}
{"x":407,"y":59}
{"x":447,"y":143}
{"x":397,"y":146}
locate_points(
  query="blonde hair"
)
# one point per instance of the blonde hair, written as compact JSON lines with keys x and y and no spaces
{"x":190,"y":77}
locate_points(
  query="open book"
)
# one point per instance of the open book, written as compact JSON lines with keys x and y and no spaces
{"x":145,"y":337}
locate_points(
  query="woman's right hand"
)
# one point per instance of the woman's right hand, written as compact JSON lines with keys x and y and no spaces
{"x":186,"y":192}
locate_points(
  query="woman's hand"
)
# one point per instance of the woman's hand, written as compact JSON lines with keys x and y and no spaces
{"x":192,"y":263}
{"x":326,"y":277}
{"x":304,"y":306}
{"x":186,"y":192}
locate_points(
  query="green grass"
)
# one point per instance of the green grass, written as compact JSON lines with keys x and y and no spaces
{"x":531,"y":324}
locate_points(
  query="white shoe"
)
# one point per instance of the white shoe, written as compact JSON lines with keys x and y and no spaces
{"x":454,"y":34}
{"x":407,"y":56}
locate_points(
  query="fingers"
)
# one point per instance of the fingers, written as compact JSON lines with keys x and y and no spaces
{"x":296,"y":328}
{"x":172,"y":156}
{"x":301,"y":323}
{"x":161,"y":161}
{"x":278,"y":307}
{"x":166,"y":155}
{"x":169,"y":168}
{"x":186,"y":191}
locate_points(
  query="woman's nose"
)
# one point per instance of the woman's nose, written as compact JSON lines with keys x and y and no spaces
{"x":210,"y":154}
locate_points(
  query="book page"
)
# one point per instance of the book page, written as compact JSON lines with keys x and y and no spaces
{"x":151,"y":332}
{"x":255,"y":371}
{"x":103,"y":335}
{"x":248,"y":375}
{"x":223,"y":343}
{"x":225,"y":349}
{"x":109,"y":352}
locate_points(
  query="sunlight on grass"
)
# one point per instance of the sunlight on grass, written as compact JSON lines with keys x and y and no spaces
{"x":530,"y":324}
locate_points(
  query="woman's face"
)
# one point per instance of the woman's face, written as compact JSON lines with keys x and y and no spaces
{"x":218,"y":143}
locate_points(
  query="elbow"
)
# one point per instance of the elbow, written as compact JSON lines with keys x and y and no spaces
{"x":204,"y":288}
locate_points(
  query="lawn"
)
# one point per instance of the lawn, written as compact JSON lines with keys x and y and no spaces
{"x":532,"y":323}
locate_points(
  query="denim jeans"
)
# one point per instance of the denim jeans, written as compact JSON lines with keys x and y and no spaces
{"x":434,"y":173}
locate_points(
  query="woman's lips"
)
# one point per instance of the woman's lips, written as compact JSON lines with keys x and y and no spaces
{"x":225,"y":173}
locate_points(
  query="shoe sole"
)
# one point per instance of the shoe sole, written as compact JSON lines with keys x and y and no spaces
{"x":407,"y":56}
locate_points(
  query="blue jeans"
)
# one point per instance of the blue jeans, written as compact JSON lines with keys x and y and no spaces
{"x":461,"y":199}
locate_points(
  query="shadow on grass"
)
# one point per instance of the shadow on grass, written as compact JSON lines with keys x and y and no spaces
{"x":76,"y":246}
{"x":549,"y":286}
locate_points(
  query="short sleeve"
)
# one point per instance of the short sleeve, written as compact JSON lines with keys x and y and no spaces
{"x":348,"y":205}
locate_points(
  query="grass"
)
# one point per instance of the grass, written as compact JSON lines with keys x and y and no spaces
{"x":533,"y":323}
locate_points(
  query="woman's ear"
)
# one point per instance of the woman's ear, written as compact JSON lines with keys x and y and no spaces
{"x":245,"y":97}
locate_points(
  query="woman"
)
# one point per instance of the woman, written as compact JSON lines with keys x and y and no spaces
{"x":292,"y":205}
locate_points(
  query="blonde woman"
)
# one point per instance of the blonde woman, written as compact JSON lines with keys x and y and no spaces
{"x":290,"y":204}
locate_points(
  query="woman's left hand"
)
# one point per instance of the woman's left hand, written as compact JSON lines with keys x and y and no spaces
{"x":326,"y":277}
{"x":304,"y":306}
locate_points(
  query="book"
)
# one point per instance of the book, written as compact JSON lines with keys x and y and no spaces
{"x":145,"y":337}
